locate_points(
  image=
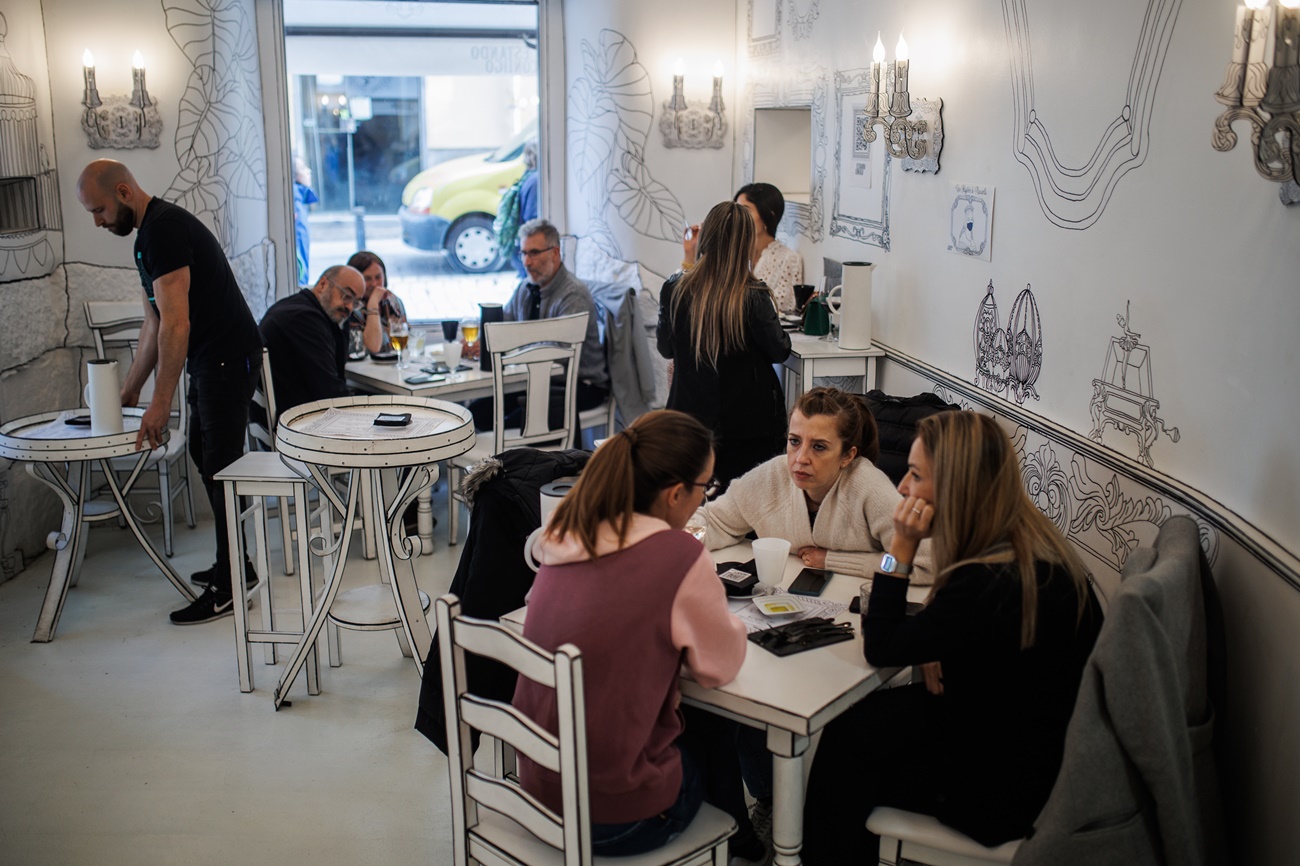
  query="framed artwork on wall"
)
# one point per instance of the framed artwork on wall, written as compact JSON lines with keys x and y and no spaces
{"x":764,"y":27}
{"x":860,"y":210}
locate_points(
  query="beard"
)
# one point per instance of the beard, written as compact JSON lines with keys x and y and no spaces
{"x":125,"y":222}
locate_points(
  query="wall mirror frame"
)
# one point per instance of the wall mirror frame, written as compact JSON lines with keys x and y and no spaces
{"x":860,"y":208}
{"x":807,"y":88}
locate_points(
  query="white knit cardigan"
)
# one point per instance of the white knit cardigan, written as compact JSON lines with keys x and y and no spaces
{"x":854,"y":524}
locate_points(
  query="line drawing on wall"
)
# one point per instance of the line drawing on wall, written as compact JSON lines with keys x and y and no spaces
{"x":32,"y":209}
{"x":768,"y":40}
{"x":860,"y":210}
{"x":219,"y":136}
{"x":1074,"y":196}
{"x":801,"y":25}
{"x":806,"y":87}
{"x":1124,"y":396}
{"x":1008,"y":360}
{"x":970,"y":221}
{"x":1096,"y":515}
{"x":611,"y":110}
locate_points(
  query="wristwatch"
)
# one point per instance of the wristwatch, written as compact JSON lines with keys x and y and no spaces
{"x":889,"y":565}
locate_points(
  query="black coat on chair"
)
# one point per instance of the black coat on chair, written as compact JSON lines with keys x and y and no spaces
{"x":492,"y":578}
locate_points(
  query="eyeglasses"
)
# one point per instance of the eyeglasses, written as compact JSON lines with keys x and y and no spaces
{"x":711,"y":487}
{"x":528,"y":254}
{"x":349,"y":297}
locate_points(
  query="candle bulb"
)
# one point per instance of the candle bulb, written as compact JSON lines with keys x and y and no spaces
{"x":1258,"y":51}
{"x":678,"y":101}
{"x":1234,"y":80}
{"x":90,"y":95}
{"x":1283,"y":94}
{"x":715,"y":105}
{"x":139,"y":94}
{"x":873,"y":92}
{"x":900,"y":105}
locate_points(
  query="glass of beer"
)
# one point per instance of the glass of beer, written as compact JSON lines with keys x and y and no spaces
{"x":398,"y":334}
{"x":469,"y":327}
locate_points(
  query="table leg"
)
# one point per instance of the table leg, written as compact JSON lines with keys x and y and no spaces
{"x":235,"y":545}
{"x":306,"y":593}
{"x":406,"y":593}
{"x":68,"y":543}
{"x":424,"y":520}
{"x":788,"y":751}
{"x":119,"y":496}
{"x":320,"y":611}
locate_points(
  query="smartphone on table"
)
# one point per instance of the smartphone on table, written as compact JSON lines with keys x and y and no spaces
{"x":811,"y":581}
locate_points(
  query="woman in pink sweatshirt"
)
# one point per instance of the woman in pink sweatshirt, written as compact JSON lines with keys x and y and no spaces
{"x":641,"y":599}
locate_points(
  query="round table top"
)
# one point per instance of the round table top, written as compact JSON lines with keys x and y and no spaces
{"x":341,"y":432}
{"x":47,"y":438}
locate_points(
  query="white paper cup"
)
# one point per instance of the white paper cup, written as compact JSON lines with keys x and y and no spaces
{"x":770,"y":556}
{"x":451,"y":355}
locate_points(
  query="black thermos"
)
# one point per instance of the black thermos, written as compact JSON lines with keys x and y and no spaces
{"x":487,"y":313}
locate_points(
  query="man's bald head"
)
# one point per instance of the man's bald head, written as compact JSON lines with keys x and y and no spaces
{"x":338,"y":290}
{"x":108,"y":190}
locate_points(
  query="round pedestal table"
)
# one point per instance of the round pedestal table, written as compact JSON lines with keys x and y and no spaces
{"x":60,"y":455}
{"x":342,"y":433}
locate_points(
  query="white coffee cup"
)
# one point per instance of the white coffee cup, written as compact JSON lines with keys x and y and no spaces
{"x":770,"y":555}
{"x":451,"y":355}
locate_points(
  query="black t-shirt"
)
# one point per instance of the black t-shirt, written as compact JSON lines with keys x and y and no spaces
{"x":221,"y":326}
{"x":307,"y":349}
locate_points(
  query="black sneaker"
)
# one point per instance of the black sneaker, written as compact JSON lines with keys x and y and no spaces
{"x":207,"y":607}
{"x":208,"y":576}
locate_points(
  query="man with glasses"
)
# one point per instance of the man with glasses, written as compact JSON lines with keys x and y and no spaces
{"x":307,"y":345}
{"x":549,"y":292}
{"x":195,"y":320}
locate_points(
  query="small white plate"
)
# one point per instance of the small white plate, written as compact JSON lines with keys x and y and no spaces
{"x":778,"y":605}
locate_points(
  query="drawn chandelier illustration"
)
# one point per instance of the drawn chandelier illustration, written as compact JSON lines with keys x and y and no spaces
{"x":1008,"y":361}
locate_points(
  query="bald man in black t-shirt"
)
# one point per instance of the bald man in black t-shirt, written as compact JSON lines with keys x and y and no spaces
{"x":195,"y":312}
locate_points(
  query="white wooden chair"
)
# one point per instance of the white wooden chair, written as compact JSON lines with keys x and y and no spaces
{"x":494,"y":821}
{"x":604,"y":417}
{"x":115,"y":328}
{"x":537,"y":345}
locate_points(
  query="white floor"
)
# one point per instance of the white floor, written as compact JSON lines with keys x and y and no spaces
{"x":127,"y":740}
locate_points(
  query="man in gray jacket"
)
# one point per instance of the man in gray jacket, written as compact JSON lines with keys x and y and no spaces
{"x":551,"y":291}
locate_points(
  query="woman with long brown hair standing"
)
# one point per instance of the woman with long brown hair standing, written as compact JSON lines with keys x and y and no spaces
{"x":1002,"y":641}
{"x":719,"y":326}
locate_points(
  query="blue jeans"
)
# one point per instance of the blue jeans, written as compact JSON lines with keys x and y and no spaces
{"x":637,"y":837}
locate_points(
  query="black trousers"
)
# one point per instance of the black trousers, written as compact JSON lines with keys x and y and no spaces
{"x":882,"y":752}
{"x":219,"y":400}
{"x":587,"y":397}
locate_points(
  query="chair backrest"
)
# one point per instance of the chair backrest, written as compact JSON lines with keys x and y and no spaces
{"x":115,"y":327}
{"x":262,"y":436}
{"x":537,"y":345}
{"x":564,"y":753}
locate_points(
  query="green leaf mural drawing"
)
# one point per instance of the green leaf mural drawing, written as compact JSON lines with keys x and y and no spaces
{"x":611,"y":109}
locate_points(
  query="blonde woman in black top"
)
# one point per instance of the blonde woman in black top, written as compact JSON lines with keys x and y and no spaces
{"x":719,"y":326}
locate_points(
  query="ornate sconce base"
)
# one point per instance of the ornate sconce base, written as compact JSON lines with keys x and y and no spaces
{"x":903,"y":137}
{"x":119,"y":124}
{"x":695,"y":126}
{"x":1276,"y":141}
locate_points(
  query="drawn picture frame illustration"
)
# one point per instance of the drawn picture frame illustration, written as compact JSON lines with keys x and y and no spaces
{"x":860,"y":211}
{"x":970,"y":221}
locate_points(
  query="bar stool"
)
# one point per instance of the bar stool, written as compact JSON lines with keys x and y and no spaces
{"x":262,"y":475}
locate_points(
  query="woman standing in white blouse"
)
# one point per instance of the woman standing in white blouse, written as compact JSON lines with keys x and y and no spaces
{"x":774,"y":263}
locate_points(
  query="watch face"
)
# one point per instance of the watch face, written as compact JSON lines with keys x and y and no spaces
{"x":888,"y":564}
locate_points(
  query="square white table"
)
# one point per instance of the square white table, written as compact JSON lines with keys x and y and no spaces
{"x":813,"y":357}
{"x":791,"y":697}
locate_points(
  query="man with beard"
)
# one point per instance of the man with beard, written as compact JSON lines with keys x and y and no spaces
{"x":308,"y":347}
{"x":193,"y":311}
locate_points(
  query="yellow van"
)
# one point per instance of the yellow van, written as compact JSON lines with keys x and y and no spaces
{"x":451,"y":206}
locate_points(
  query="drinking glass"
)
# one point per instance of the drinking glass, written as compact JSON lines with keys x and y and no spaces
{"x":449,"y":329}
{"x":417,"y":342}
{"x":469,"y":328}
{"x":451,"y":356}
{"x":398,"y":334}
{"x":770,"y":556}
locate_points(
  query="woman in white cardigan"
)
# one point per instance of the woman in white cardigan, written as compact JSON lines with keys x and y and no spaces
{"x":824,"y":495}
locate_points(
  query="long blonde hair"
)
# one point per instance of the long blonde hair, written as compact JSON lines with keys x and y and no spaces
{"x":624,"y":476}
{"x":984,"y":515}
{"x":719,"y":284}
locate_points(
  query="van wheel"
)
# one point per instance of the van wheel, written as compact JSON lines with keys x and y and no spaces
{"x":472,"y":245}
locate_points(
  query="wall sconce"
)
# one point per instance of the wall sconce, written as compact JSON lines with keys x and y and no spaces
{"x":903,"y":137}
{"x":1262,"y":86}
{"x":694,"y":125}
{"x":119,"y":121}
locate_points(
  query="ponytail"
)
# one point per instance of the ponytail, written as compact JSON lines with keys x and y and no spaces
{"x":627,"y":472}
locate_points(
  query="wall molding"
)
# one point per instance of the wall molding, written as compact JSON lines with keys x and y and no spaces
{"x":1205,"y":508}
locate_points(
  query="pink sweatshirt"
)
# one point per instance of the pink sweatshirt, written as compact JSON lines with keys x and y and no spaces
{"x":638,"y":614}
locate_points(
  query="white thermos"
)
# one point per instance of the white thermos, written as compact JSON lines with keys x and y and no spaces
{"x":855,"y":306}
{"x":103,"y":395}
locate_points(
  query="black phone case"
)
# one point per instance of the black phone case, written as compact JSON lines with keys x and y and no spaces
{"x":78,"y":421}
{"x":386,"y":419}
{"x":811,"y":582}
